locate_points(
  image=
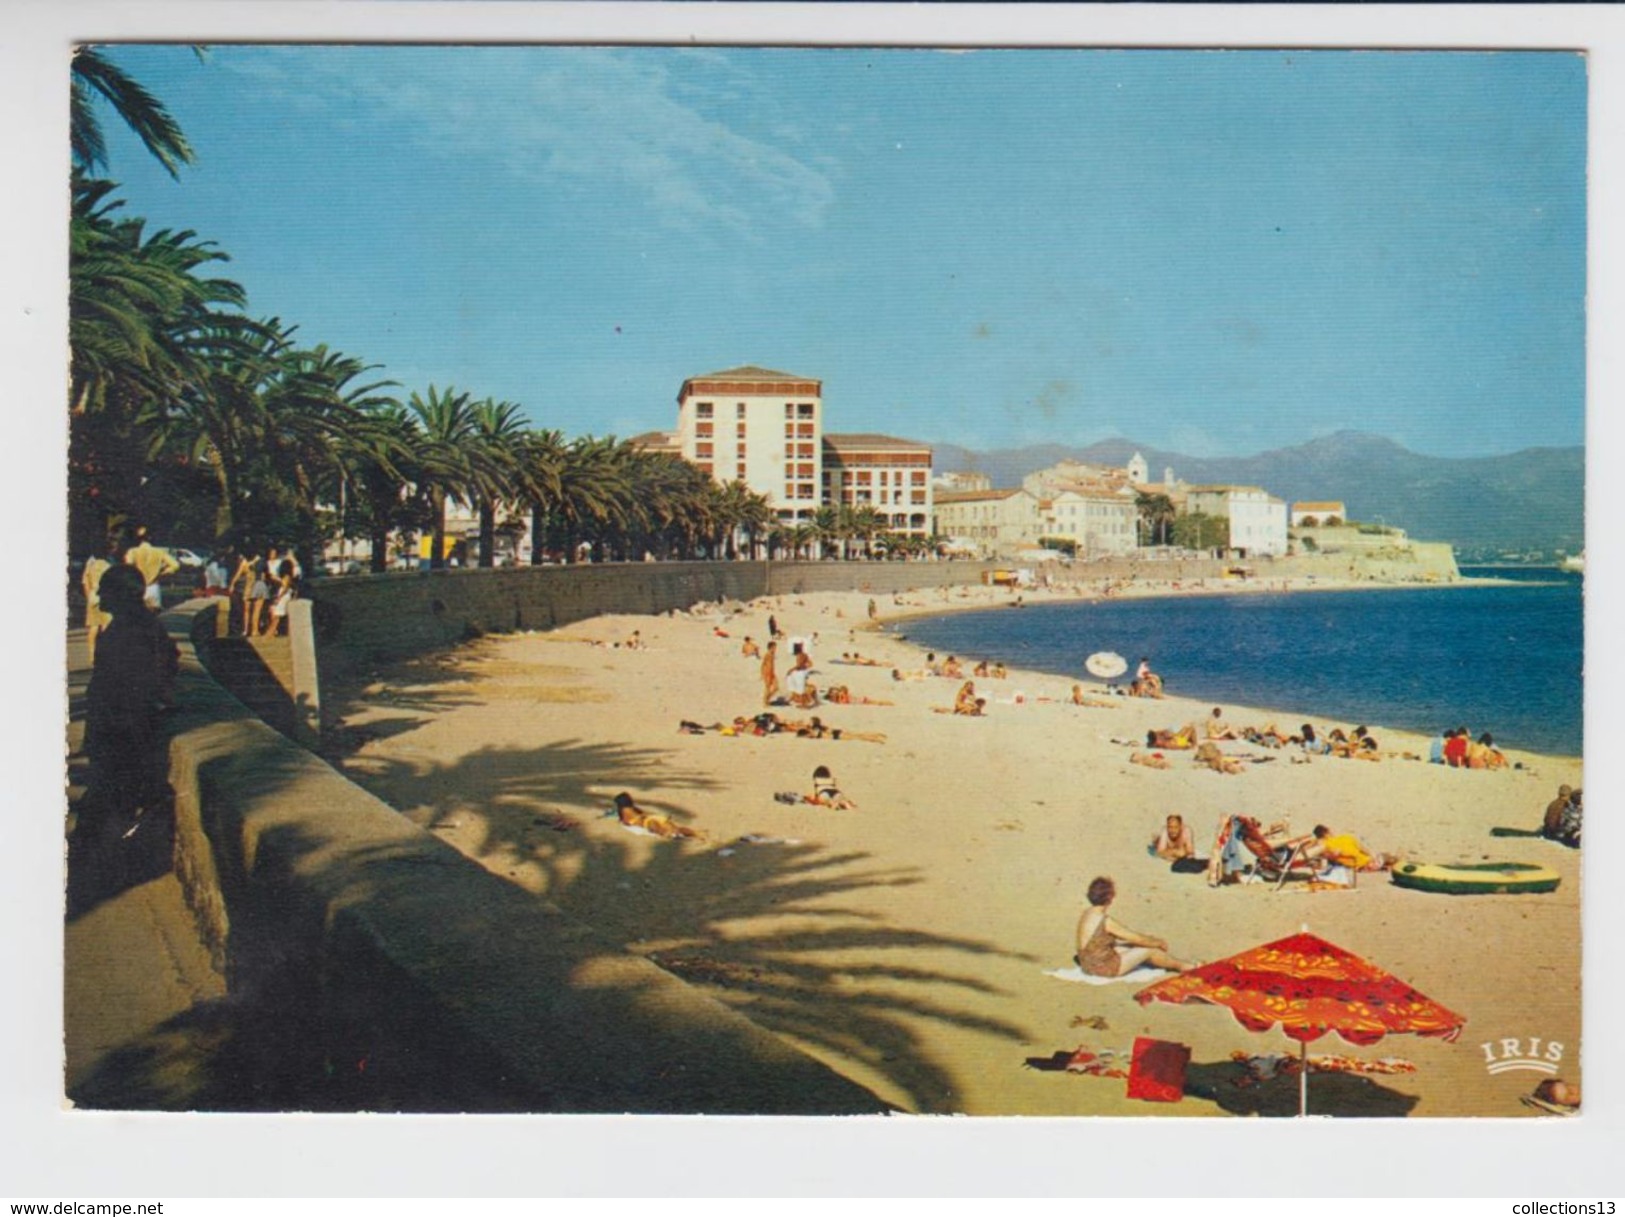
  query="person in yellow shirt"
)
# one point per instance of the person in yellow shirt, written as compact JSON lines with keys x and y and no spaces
{"x":153,"y":563}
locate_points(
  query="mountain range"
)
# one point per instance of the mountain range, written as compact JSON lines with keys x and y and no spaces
{"x":1533,"y":499}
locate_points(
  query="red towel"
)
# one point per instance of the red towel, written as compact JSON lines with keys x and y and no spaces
{"x":1157,"y":1071}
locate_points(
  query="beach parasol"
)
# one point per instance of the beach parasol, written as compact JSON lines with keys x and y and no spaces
{"x":1308,"y":987}
{"x":1105,"y":664}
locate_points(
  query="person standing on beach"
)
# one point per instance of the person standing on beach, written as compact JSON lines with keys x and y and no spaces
{"x":770,"y":675}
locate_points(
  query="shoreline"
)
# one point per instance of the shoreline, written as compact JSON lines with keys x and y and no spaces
{"x":990,"y":602}
{"x":906,"y":943}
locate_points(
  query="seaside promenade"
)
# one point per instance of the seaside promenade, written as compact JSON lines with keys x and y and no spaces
{"x":141,"y":1001}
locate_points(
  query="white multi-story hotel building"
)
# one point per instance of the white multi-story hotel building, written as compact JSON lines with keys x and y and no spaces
{"x":1257,"y":518}
{"x":760,"y":427}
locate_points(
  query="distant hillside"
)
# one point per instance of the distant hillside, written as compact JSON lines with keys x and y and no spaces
{"x":1529,"y":499}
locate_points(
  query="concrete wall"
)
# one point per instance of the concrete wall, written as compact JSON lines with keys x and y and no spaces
{"x":379,"y":948}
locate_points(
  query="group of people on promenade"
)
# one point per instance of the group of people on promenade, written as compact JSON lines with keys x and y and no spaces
{"x":260,"y":587}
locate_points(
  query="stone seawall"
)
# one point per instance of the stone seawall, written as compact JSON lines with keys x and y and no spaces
{"x":372,"y":949}
{"x":365,"y":617}
{"x":372,"y":617}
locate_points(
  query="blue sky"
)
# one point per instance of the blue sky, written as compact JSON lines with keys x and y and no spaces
{"x":1209,"y":252}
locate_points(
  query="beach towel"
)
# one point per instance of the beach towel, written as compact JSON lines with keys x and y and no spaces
{"x":1157,"y":1070}
{"x":1075,"y":974}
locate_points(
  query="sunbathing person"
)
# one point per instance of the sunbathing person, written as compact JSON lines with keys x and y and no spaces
{"x":816,"y":729}
{"x":1208,"y":754}
{"x":1174,"y":841}
{"x":1217,"y":728}
{"x":634,"y":816}
{"x":749,"y":649}
{"x":952,"y":667}
{"x":1106,"y":948}
{"x":980,"y":669}
{"x":1151,"y":760}
{"x":1337,"y":855}
{"x":1178,"y":740}
{"x":826,"y":794}
{"x":840,"y":695}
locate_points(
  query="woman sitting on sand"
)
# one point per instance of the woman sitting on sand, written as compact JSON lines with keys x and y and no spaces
{"x":1485,"y":755}
{"x":634,"y":816}
{"x":826,"y":794}
{"x":749,"y":649}
{"x":951,"y":667}
{"x":966,"y":701}
{"x":1106,"y":948}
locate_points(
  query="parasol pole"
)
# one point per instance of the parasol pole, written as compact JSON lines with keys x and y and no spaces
{"x":1303,"y":1077}
{"x":1303,"y":1059}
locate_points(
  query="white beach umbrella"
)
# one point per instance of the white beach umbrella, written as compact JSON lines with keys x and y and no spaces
{"x":1105,"y":664}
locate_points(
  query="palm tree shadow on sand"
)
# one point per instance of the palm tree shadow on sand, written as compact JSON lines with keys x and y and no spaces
{"x":773,"y":929}
{"x":778,"y":931}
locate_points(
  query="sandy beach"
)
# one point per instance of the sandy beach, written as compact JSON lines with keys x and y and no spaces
{"x":906,"y":942}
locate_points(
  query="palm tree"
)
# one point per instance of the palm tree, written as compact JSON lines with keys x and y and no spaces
{"x":378,"y":459}
{"x":755,"y":517}
{"x":445,"y":433}
{"x":1157,"y":514}
{"x":539,"y":484}
{"x":133,"y":300}
{"x":494,"y":465}
{"x":593,"y":492}
{"x":863,"y":522}
{"x":94,"y":73}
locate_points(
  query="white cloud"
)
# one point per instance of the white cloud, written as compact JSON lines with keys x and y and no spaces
{"x":605,"y":119}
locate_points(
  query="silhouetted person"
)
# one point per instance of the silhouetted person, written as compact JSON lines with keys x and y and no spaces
{"x":131,"y":684}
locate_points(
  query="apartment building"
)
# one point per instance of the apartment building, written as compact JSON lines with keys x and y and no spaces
{"x":891,"y":475}
{"x":760,"y":427}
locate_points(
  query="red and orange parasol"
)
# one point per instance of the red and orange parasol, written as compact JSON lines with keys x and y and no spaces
{"x":1307,"y":987}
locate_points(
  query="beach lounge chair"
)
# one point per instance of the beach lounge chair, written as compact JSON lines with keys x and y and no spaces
{"x":1242,"y":848}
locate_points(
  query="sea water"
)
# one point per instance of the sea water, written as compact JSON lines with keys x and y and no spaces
{"x":1501,"y":659}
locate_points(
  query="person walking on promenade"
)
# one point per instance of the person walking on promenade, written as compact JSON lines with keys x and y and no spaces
{"x":770,"y":675}
{"x":96,"y":617}
{"x":241,"y":588}
{"x":131,"y":684}
{"x":153,"y":563}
